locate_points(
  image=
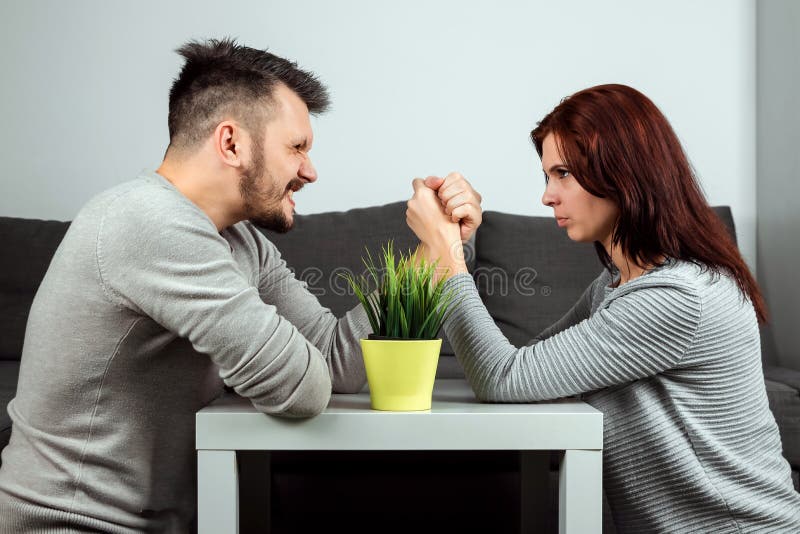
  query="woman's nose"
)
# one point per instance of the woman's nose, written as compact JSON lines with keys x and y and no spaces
{"x":549,"y":198}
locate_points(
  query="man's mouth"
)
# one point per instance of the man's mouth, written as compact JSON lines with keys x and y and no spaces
{"x":295,"y":185}
{"x":292,"y":188}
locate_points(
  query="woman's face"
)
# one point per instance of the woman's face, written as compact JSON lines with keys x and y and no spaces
{"x":586,"y":217}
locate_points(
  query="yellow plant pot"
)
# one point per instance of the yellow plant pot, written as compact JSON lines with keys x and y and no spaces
{"x":401,"y":372}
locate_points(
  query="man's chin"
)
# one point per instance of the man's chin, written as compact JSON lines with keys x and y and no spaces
{"x":275,"y":223}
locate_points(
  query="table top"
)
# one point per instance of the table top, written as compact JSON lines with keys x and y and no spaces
{"x":456,"y":421}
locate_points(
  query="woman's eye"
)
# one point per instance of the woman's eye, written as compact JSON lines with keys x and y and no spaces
{"x":546,"y":178}
{"x":562,"y":173}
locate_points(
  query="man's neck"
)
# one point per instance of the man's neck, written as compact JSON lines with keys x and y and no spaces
{"x":205,"y":188}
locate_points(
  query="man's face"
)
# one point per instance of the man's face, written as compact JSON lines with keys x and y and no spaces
{"x":280,"y":165}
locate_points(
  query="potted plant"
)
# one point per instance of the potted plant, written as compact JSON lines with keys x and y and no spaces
{"x":406,"y":311}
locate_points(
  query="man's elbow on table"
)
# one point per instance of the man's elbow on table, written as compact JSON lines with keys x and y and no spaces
{"x":309,"y":398}
{"x":353,"y":383}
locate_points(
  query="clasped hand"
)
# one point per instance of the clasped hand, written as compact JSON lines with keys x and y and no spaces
{"x":443,"y":213}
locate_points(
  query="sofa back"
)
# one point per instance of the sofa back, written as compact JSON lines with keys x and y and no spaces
{"x":320,"y":247}
{"x":527,"y":271}
{"x":28,"y":246}
{"x":323,"y":246}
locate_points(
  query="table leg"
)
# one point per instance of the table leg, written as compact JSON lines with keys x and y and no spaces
{"x":580,"y":492}
{"x":217,"y":492}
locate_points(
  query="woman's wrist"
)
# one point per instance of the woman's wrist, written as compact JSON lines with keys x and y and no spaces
{"x":450,"y":260}
{"x":445,"y":272}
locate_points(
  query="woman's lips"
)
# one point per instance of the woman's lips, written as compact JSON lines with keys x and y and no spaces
{"x":562,"y":221}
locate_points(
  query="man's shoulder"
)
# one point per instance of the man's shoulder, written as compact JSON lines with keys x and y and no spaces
{"x":142,"y":204}
{"x":139,"y":219}
{"x":143,"y":189}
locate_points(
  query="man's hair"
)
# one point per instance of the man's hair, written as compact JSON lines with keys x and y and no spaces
{"x":223,"y":79}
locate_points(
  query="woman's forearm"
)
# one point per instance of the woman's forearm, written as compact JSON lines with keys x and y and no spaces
{"x":449,"y":259}
{"x":645,"y":330}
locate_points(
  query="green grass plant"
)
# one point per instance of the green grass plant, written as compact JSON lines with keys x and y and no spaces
{"x":401,"y":296}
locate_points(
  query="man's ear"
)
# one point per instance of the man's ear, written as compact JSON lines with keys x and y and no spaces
{"x":229,"y":143}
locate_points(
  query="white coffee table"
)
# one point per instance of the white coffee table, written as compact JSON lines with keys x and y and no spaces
{"x":456,"y":421}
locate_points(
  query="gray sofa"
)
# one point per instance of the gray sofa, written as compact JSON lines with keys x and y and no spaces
{"x":528,"y":273}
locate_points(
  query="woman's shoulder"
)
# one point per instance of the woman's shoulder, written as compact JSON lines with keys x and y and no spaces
{"x":689,"y":273}
{"x":685,"y":283}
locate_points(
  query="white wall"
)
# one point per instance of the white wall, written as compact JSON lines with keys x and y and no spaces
{"x":779,"y":171}
{"x":419,"y":87}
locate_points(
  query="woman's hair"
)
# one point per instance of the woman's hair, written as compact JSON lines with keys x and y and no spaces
{"x":618,"y":145}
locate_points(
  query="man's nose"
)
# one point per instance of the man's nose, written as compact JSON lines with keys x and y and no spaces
{"x":307,"y":170}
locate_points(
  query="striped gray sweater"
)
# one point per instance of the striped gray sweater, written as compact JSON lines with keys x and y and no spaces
{"x":672,"y":359}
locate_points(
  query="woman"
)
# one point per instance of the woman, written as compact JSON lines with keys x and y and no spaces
{"x":665,"y":342}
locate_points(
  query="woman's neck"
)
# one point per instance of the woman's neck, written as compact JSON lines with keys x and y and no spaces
{"x":628,"y":268}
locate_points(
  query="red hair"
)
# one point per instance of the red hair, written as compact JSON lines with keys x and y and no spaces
{"x":618,"y":145}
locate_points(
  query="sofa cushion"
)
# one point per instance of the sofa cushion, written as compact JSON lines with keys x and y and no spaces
{"x":322,"y":246}
{"x":783,"y":392}
{"x":9,"y":373}
{"x":28,"y":246}
{"x":529,"y":273}
{"x":14,"y":309}
{"x":725,"y":214}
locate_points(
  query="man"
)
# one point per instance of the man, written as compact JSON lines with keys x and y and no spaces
{"x":162,"y":290}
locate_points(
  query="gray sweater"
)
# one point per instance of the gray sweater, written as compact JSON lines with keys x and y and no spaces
{"x":673,"y":361}
{"x":145,"y":311}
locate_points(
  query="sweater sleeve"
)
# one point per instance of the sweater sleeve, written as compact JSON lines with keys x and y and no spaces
{"x":169,"y":263}
{"x":644,"y":331}
{"x":579,"y":311}
{"x":337,"y":339}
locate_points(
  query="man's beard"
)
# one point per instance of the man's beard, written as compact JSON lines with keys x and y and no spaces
{"x":262,"y":197}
